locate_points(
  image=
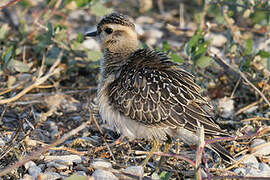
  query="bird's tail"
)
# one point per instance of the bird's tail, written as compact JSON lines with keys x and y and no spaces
{"x":222,"y":152}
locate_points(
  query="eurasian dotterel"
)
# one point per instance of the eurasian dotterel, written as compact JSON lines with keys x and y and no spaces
{"x":144,"y":94}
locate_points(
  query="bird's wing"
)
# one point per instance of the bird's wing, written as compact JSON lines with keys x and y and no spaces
{"x":159,"y":94}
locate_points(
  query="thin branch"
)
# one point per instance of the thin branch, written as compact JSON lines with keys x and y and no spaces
{"x":199,"y":154}
{"x":9,"y":3}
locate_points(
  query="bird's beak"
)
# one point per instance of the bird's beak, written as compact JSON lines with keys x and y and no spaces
{"x":91,"y":34}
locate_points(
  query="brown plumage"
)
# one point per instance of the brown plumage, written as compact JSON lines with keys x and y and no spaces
{"x":143,"y":94}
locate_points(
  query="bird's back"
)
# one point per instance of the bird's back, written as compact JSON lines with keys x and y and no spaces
{"x":154,"y":92}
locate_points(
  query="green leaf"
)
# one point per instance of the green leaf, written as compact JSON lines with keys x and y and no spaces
{"x":82,"y":3}
{"x":50,"y":28}
{"x":100,"y":10}
{"x":164,"y":175}
{"x":94,"y":55}
{"x":7,"y":55}
{"x":264,"y":54}
{"x":197,"y":46}
{"x":177,"y":58}
{"x":204,"y":61}
{"x":52,"y":55}
{"x":3,"y":31}
{"x":80,"y":37}
{"x":249,"y":47}
{"x":18,"y":66}
{"x":166,"y":47}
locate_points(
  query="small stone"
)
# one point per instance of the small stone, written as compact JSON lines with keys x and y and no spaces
{"x":252,"y":172}
{"x":57,"y":166}
{"x":27,"y":177}
{"x":257,"y":142}
{"x":49,"y":176}
{"x":240,"y":171}
{"x":226,"y":107}
{"x":101,"y":174}
{"x":217,"y":40}
{"x":81,"y":173}
{"x":261,"y":149}
{"x":29,"y":164}
{"x":250,"y":161}
{"x":101,"y":163}
{"x":66,"y":159}
{"x":132,"y":170}
{"x":34,"y":171}
{"x":42,"y":166}
{"x":264,"y":169}
{"x":135,"y":170}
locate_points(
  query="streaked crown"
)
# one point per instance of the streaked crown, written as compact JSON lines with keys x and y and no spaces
{"x":115,"y":18}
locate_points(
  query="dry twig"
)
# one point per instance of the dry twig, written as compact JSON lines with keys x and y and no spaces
{"x":199,"y":154}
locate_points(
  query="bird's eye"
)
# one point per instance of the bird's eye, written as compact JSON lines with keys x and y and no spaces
{"x":108,"y":30}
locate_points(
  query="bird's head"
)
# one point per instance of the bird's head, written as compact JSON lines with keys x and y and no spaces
{"x":116,"y":34}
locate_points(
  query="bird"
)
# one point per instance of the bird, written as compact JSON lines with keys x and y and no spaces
{"x":142,"y":93}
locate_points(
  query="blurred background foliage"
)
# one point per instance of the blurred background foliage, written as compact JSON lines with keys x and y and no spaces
{"x":30,"y":29}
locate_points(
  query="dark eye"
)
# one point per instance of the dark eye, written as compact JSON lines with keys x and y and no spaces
{"x":108,"y":30}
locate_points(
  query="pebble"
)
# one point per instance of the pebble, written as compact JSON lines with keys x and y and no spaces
{"x":81,"y":173}
{"x":101,"y":174}
{"x":257,"y":142}
{"x":250,"y":161}
{"x":263,"y":150}
{"x":32,"y":169}
{"x":133,"y":170}
{"x":57,"y":165}
{"x":226,"y":107}
{"x":264,"y":169}
{"x":217,"y":40}
{"x":27,"y":177}
{"x":65,"y":160}
{"x":49,"y":176}
{"x":240,"y":171}
{"x":29,"y":164}
{"x":101,"y":163}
